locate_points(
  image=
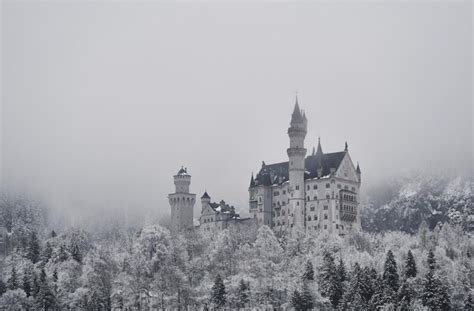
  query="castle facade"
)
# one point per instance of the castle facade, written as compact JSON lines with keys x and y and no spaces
{"x":306,"y":193}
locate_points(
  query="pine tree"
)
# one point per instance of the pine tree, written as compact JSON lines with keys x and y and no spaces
{"x":354,"y":294}
{"x":45,"y":298}
{"x":468,"y":304}
{"x":33,"y":251}
{"x":410,"y":266}
{"x":244,"y":294}
{"x":367,"y":288}
{"x":308,"y":274}
{"x":53,"y":234}
{"x":377,"y":299}
{"x":26,"y":282}
{"x":35,"y":288}
{"x":405,"y":295}
{"x":390,"y":274}
{"x":329,"y":282}
{"x":341,"y":271}
{"x":47,"y":253}
{"x":12,"y":282}
{"x":62,"y":253}
{"x":76,"y":253}
{"x":307,"y":302}
{"x":3,"y":287}
{"x":218,"y":297}
{"x":435,"y":293}
{"x":296,"y":300}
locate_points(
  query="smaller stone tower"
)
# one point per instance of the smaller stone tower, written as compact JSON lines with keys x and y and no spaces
{"x":182,"y":202}
{"x":205,"y":200}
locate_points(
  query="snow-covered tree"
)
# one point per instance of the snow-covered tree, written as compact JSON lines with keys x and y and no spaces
{"x":33,"y":251}
{"x":329,"y":282}
{"x":12,"y":282}
{"x":435,"y":293}
{"x":218,"y":294}
{"x":410,"y":266}
{"x":308,"y":274}
{"x":390,"y":273}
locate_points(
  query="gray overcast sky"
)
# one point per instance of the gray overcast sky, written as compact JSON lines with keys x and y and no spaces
{"x":103,"y":101}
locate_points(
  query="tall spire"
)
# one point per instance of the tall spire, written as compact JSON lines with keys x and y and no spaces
{"x":313,"y":152}
{"x":320,"y":150}
{"x":346,"y":148}
{"x":252,"y":181}
{"x":358,"y":168}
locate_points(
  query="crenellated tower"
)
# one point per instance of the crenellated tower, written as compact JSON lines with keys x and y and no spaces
{"x":182,"y":202}
{"x":296,"y":154}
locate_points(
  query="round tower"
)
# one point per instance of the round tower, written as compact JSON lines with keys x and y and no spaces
{"x":296,"y":154}
{"x":182,"y":202}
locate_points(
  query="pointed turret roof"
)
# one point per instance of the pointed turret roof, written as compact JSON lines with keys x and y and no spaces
{"x":296,"y":116}
{"x":346,"y":147}
{"x":252,"y":181}
{"x":182,"y":171}
{"x":205,"y":195}
{"x":358,"y":168}
{"x":320,"y":149}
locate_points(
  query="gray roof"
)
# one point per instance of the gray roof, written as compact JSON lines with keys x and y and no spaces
{"x":278,"y":173}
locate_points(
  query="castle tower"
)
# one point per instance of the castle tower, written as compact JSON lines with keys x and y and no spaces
{"x":181,"y":202}
{"x":296,"y":154}
{"x":205,"y":200}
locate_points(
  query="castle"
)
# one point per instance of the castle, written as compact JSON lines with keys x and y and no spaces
{"x":306,"y":193}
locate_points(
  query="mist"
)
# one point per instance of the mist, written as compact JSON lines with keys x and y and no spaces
{"x":102,"y":102}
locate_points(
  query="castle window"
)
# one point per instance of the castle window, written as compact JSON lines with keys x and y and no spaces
{"x":315,"y":198}
{"x":307,"y":187}
{"x":325,"y":207}
{"x":283,"y":203}
{"x":309,"y":218}
{"x":353,"y":189}
{"x":328,"y":185}
{"x":312,"y":208}
{"x":308,"y":198}
{"x":297,"y":187}
{"x":284,"y":191}
{"x":346,"y":187}
{"x":283,"y":212}
{"x":325,"y":216}
{"x":328,"y":196}
{"x":298,"y":203}
{"x":315,"y":217}
{"x":315,"y":187}
{"x":278,"y":213}
{"x":337,"y":226}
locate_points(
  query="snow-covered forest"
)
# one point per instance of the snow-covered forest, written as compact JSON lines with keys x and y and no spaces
{"x":146,"y":268}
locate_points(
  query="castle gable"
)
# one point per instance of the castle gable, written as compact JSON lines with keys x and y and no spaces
{"x":346,"y":169}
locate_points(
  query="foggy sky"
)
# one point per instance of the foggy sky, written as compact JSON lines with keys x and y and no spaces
{"x":103,"y":102}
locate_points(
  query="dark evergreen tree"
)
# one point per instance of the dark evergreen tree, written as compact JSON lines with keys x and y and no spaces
{"x":406,"y":294}
{"x":45,"y":299}
{"x":307,"y":302}
{"x":27,"y":282}
{"x":12,"y":282}
{"x":329,"y":282}
{"x":367,"y":286}
{"x":47,"y":253}
{"x":244,"y":294}
{"x":390,"y":274}
{"x":76,"y":252}
{"x":35,"y":288}
{"x":62,"y":253}
{"x":218,"y":297}
{"x":354,"y":294}
{"x":296,"y":300}
{"x":33,"y":250}
{"x":468,"y":304}
{"x":341,"y":271}
{"x":410,"y":266}
{"x":53,"y":234}
{"x":435,"y":293}
{"x":377,"y":299}
{"x":308,"y":274}
{"x":3,"y":287}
